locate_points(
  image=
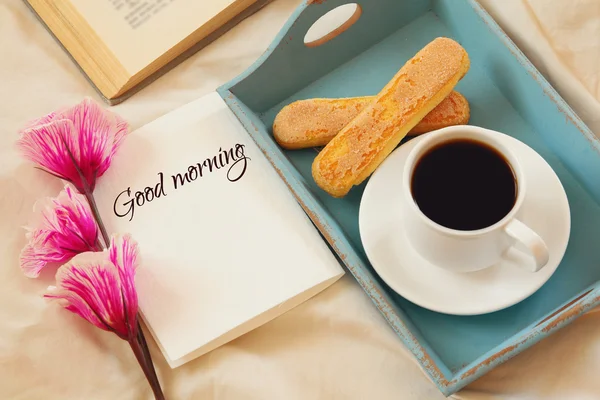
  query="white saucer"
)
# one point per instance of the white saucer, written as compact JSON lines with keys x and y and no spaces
{"x":545,"y":210}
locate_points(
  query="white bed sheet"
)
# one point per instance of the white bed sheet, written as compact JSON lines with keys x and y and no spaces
{"x":335,"y":346}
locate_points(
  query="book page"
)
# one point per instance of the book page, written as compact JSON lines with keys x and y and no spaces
{"x":139,"y":31}
{"x":224,"y":245}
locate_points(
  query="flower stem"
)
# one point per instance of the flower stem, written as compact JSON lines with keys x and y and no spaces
{"x":88,"y":192}
{"x":146,"y":350}
{"x":92,"y":202}
{"x":139,"y":354}
{"x":138,"y":344}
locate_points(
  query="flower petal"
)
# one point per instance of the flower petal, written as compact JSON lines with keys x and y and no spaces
{"x":75,"y":216}
{"x":89,"y":285}
{"x":38,"y":253}
{"x":53,"y":147}
{"x":76,"y":305}
{"x":123,"y":253}
{"x":76,"y":143}
{"x":38,"y":121}
{"x":31,"y":261}
{"x":64,"y":228}
{"x":99,"y":133}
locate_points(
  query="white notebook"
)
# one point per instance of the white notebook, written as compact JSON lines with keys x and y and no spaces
{"x":224,"y":246}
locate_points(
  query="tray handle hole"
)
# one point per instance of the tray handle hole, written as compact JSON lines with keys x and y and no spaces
{"x":332,"y":23}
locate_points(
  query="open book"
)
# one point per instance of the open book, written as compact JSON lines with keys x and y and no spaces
{"x":122,"y":45}
{"x":224,"y":245}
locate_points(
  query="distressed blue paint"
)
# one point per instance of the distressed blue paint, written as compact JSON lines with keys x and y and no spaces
{"x":506,"y":93}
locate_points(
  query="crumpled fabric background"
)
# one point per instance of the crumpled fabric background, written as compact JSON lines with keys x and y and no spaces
{"x":562,"y":39}
{"x":335,"y":346}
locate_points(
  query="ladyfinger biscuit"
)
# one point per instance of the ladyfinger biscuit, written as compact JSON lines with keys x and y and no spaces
{"x":416,"y":89}
{"x":314,"y":122}
{"x":453,"y":110}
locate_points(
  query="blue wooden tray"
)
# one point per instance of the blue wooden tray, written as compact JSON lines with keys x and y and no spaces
{"x":506,"y":94}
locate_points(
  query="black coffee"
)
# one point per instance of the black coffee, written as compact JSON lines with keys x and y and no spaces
{"x":464,"y":185}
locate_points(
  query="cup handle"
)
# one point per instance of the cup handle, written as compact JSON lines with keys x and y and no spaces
{"x":531,"y":241}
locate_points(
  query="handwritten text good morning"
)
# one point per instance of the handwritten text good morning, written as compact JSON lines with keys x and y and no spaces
{"x":234,"y":158}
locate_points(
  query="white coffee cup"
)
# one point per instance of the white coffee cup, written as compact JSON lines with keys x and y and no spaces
{"x":465,"y":251}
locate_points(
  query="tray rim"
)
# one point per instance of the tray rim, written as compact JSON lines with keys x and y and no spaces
{"x":447,"y":382}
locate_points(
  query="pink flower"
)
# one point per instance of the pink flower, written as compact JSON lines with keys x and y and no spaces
{"x":76,"y":144}
{"x":100,"y":287}
{"x":66,"y":227}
